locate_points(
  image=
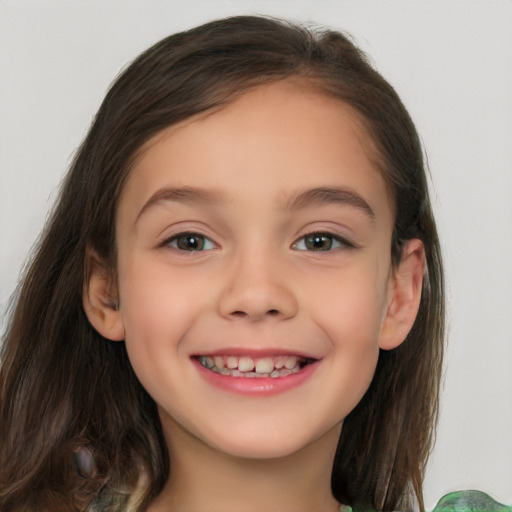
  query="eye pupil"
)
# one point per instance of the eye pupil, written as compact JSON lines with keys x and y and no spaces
{"x":318,"y":242}
{"x":190,"y":242}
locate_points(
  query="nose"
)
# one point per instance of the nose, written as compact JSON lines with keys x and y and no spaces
{"x":257,"y":288}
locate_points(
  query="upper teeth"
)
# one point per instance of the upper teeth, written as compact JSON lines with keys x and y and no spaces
{"x":233,"y":365}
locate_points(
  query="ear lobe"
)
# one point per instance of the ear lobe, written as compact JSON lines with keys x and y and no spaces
{"x":100,"y":303}
{"x":405,"y":289}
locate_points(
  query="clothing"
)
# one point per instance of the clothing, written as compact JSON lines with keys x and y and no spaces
{"x":470,"y":501}
{"x":462,"y":501}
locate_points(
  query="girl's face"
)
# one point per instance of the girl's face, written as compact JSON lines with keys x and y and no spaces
{"x":254,"y":271}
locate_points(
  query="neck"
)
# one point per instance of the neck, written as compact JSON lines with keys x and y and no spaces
{"x":203,"y":479}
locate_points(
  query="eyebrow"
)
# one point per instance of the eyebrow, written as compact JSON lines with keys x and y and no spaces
{"x":318,"y":196}
{"x":329,"y":195}
{"x":185,"y":194}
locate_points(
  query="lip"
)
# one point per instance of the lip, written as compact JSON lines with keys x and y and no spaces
{"x":257,"y":353}
{"x":260,"y":386}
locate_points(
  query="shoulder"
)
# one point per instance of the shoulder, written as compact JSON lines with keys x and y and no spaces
{"x":470,"y":501}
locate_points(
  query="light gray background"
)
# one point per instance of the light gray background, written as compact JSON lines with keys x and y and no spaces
{"x":450,"y":61}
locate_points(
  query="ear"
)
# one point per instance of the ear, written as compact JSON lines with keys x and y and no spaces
{"x":404,"y":295}
{"x":100,"y":300}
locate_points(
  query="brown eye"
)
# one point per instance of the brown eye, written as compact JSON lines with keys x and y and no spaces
{"x":191,"y":242}
{"x":319,"y":242}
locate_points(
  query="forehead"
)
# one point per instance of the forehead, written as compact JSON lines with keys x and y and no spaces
{"x":278,"y":106}
{"x":273,"y":139}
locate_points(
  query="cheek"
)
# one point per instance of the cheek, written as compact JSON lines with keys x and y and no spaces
{"x":353,"y":303}
{"x":352,"y":321}
{"x":153,"y":297}
{"x":350,"y":311}
{"x":154,"y":311}
{"x":155,"y":318}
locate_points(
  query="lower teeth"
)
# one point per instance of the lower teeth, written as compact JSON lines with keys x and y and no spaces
{"x":282,"y":371}
{"x":277,"y":372}
{"x":235,"y":373}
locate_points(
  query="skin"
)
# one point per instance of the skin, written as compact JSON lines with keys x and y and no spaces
{"x":257,"y":286}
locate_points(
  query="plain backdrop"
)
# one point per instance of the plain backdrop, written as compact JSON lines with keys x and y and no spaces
{"x":451,"y":62}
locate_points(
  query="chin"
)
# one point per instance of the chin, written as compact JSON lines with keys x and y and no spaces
{"x":260,"y":451}
{"x":265,"y":443}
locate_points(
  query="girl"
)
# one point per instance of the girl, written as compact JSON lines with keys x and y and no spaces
{"x":238,"y":301}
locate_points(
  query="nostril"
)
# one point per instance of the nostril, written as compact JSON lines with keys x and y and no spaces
{"x":243,"y":314}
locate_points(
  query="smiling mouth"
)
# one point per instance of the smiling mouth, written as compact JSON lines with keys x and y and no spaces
{"x":248,"y":367}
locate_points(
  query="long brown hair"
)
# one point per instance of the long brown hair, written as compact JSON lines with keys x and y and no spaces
{"x":65,"y":391}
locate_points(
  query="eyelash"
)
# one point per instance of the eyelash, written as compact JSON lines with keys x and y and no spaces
{"x":299,"y":245}
{"x":173,"y":241}
{"x":337,"y":240}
